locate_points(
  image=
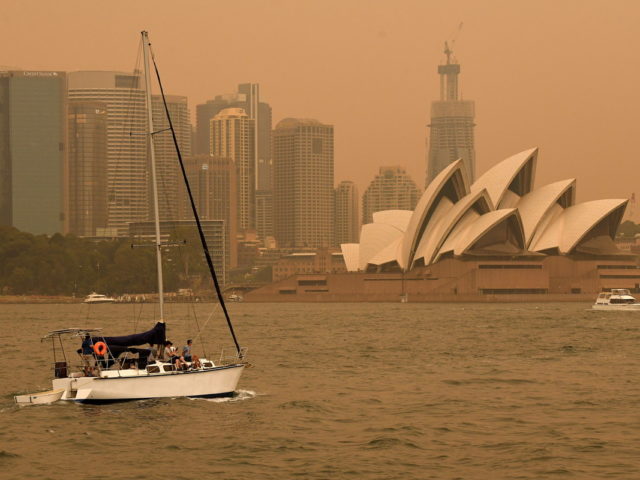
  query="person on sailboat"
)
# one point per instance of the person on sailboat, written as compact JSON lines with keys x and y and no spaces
{"x":186,"y":350}
{"x":189,"y":356}
{"x":172,"y":354}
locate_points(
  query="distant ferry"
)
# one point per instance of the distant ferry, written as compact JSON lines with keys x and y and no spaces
{"x":616,"y":299}
{"x":98,"y":298}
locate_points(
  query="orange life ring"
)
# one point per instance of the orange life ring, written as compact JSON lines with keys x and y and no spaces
{"x":100,"y":348}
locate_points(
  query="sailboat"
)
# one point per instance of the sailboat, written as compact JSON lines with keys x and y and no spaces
{"x":118,"y":368}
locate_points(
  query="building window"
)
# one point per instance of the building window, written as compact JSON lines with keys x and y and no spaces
{"x":316,"y":145}
{"x":512,"y":291}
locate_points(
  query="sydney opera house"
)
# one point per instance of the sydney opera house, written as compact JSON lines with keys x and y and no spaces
{"x":498,"y":238}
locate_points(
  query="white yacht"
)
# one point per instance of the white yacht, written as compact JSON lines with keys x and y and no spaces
{"x":615,"y":300}
{"x":98,"y":298}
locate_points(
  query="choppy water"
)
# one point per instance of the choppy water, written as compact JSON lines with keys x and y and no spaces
{"x":366,"y":391}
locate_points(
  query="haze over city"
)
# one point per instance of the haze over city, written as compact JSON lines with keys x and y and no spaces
{"x":556,"y":75}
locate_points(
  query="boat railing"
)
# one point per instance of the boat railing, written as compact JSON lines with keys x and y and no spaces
{"x":230,"y":356}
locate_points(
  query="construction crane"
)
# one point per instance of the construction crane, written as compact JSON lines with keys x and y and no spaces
{"x":448,"y":45}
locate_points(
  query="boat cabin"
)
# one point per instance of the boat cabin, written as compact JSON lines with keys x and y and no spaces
{"x":617,"y":296}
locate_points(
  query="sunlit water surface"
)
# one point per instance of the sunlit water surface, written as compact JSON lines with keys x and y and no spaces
{"x":366,"y":391}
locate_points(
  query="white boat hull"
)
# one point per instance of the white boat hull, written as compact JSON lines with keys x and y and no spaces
{"x":214,"y":382}
{"x":41,"y":398}
{"x":617,"y":307}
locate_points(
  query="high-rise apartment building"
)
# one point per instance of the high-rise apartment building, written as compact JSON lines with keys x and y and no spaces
{"x":247,"y":98}
{"x":213,"y":185}
{"x":232,"y":137}
{"x":87,"y":167}
{"x":347,"y":213}
{"x":33,"y":151}
{"x":264,"y":215}
{"x":167,"y":165}
{"x":127,"y":172}
{"x":451,"y":124}
{"x":303,"y":183}
{"x":391,"y":189}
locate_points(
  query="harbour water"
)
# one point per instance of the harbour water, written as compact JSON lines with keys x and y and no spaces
{"x":339,"y":391}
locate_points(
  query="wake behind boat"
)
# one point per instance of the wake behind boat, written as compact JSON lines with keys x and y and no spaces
{"x":618,"y":299}
{"x":122,"y":368}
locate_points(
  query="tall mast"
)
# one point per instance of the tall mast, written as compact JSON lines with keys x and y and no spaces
{"x":203,"y":240}
{"x":154,"y":182}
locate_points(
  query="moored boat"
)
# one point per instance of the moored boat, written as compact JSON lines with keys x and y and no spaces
{"x":98,"y":298}
{"x":618,"y":299}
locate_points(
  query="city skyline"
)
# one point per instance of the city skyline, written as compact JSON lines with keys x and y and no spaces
{"x":374,"y":79}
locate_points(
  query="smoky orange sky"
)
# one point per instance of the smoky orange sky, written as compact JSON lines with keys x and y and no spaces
{"x":560,"y":75}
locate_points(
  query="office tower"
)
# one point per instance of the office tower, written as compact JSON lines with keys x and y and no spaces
{"x":213,"y":185}
{"x":391,"y":189}
{"x":248,"y":98}
{"x":33,"y":152}
{"x":303,"y":183}
{"x":451,"y":124}
{"x":347,"y":213}
{"x":167,"y":165}
{"x":87,"y":167}
{"x":264,"y":216}
{"x":127,"y":177}
{"x":232,"y":137}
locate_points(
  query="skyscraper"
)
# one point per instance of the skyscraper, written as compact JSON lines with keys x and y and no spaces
{"x":127,"y":183}
{"x":33,"y":151}
{"x":303,"y":183}
{"x":213,"y":185}
{"x":247,"y":98}
{"x":232,"y":137}
{"x":391,"y":189}
{"x":167,"y":165}
{"x":347,"y":213}
{"x":451,"y":124}
{"x":87,"y":167}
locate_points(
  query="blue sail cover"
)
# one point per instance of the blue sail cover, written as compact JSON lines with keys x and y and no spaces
{"x":154,"y":336}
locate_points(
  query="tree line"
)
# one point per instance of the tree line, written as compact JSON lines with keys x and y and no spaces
{"x":68,"y":265}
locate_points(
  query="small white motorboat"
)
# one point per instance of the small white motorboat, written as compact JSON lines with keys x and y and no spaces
{"x":615,"y":300}
{"x":41,"y":398}
{"x":98,"y":298}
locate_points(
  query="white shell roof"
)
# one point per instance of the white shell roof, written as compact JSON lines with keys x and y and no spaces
{"x":397,"y":218}
{"x":432,"y":242}
{"x":449,"y":219}
{"x":534,"y":205}
{"x":568,"y":228}
{"x":497,"y":179}
{"x":388,"y":254}
{"x":458,"y":233}
{"x":482,"y":225}
{"x":375,"y":237}
{"x":419,"y":219}
{"x":351,"y":254}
